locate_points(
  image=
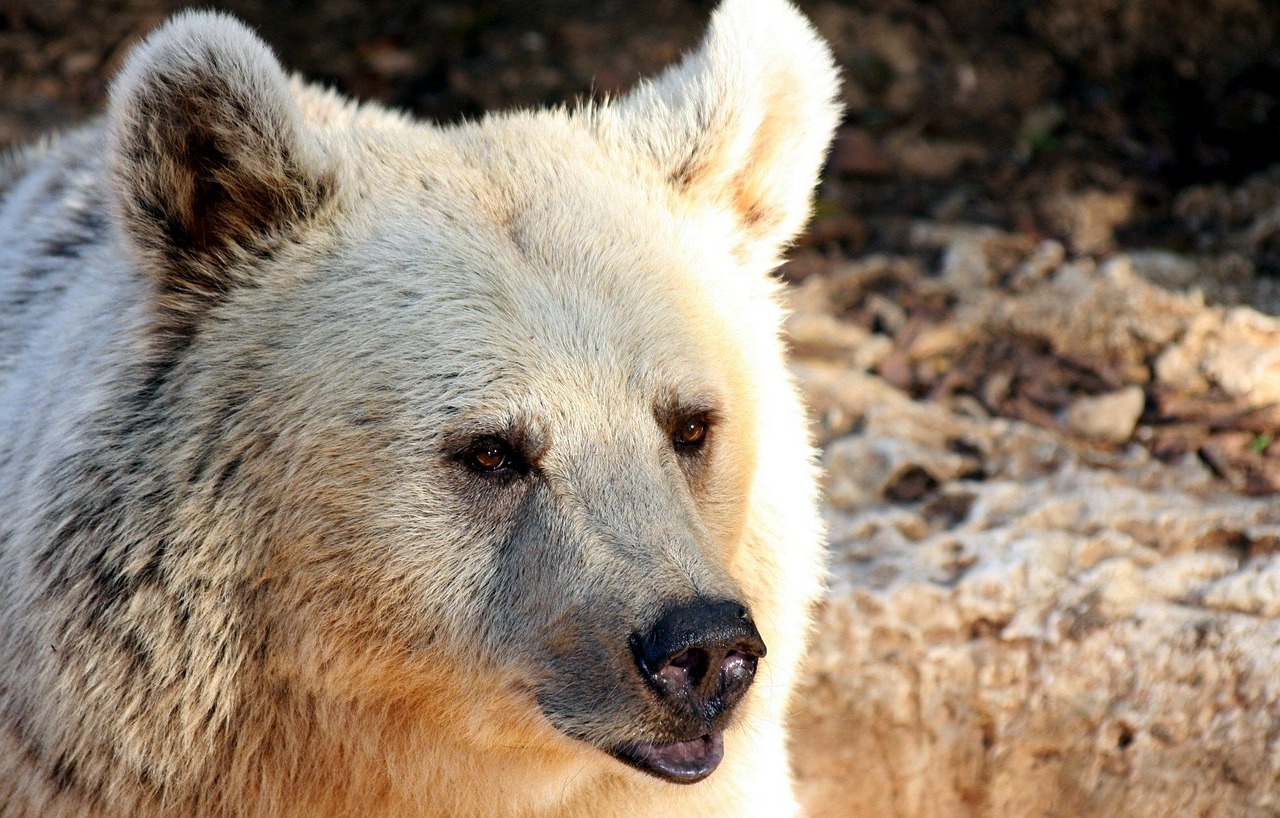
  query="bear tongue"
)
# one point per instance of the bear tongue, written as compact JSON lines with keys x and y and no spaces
{"x":681,"y":762}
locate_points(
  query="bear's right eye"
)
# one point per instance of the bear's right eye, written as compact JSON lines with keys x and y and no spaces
{"x":492,"y":455}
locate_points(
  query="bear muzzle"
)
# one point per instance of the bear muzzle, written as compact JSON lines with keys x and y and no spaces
{"x":699,"y":659}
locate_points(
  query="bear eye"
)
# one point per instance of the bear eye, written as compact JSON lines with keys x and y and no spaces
{"x":492,"y":455}
{"x":690,"y":433}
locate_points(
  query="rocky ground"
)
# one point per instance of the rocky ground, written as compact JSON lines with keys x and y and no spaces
{"x":1055,"y":549}
{"x":1034,"y":320}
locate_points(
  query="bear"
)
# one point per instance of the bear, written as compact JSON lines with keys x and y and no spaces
{"x":351,"y":465}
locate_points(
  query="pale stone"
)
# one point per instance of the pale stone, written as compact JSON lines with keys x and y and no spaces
{"x":1111,"y":417}
{"x":1070,"y":630}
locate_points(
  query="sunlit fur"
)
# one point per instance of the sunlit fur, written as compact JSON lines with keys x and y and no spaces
{"x":246,"y":329}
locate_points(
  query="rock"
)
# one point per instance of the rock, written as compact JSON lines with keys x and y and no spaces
{"x":1110,"y":418}
{"x":1022,"y":622}
{"x":1089,"y":219}
{"x":818,"y":334}
{"x":1084,"y":634}
{"x":1047,"y":257}
{"x":1237,"y":350}
{"x":840,"y":400}
{"x":1169,"y":270}
{"x":863,"y":468}
{"x":945,"y":338}
{"x":1107,"y":313}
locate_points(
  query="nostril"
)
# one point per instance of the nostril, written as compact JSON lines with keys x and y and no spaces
{"x":694,"y":662}
{"x":685,"y":658}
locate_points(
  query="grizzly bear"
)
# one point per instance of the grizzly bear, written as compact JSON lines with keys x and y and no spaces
{"x":353,"y":466}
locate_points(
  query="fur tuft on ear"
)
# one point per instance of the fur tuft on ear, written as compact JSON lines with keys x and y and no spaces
{"x":743,"y":123}
{"x":211,"y":162}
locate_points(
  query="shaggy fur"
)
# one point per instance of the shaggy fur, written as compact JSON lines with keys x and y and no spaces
{"x":251,"y":338}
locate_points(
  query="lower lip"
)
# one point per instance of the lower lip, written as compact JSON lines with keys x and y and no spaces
{"x":680,"y":762}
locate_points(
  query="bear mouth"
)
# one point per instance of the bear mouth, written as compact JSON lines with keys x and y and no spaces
{"x":680,"y":762}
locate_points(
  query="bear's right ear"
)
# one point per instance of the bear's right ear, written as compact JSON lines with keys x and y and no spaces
{"x":741,"y":125}
{"x":210,"y":159}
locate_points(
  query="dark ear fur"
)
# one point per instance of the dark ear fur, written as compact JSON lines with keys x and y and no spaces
{"x":211,"y":162}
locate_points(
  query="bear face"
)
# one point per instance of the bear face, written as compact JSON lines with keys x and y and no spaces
{"x":449,"y":449}
{"x":582,"y":526}
{"x":563,"y":534}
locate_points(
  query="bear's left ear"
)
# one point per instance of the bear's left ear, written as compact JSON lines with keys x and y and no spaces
{"x":742,"y":124}
{"x":211,"y":162}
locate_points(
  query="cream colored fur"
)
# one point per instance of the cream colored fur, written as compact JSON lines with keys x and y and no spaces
{"x":242,"y":571}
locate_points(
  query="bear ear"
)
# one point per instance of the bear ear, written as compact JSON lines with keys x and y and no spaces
{"x":743,"y":123}
{"x":211,"y":162}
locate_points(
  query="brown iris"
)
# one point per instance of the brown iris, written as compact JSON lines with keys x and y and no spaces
{"x":490,"y":454}
{"x":690,"y":433}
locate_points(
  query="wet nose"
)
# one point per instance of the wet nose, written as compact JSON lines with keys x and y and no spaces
{"x":700,"y":657}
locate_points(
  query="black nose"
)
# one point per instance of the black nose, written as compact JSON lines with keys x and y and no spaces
{"x":700,"y":658}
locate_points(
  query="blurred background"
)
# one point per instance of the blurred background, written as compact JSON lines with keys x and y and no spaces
{"x":1101,"y":122}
